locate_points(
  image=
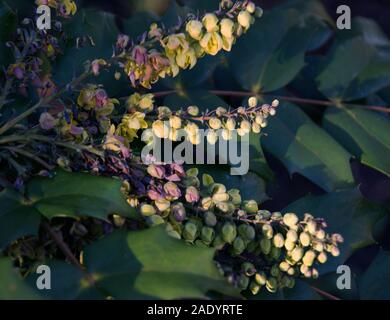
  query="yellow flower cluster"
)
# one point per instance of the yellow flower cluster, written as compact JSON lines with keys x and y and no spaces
{"x":181,"y":50}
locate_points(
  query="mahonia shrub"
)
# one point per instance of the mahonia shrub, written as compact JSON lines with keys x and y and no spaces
{"x":81,"y":128}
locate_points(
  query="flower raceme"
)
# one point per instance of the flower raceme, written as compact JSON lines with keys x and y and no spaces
{"x":145,"y":62}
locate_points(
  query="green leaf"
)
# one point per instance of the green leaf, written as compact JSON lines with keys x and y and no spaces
{"x":78,"y":194}
{"x":272,"y":53}
{"x":374,"y":283}
{"x":364,"y":71}
{"x":13,"y":287}
{"x":371,"y":31}
{"x":305,"y":148}
{"x":347,"y":213}
{"x":16,"y":218}
{"x":258,"y":163}
{"x":151,"y":264}
{"x":254,"y":185}
{"x":363,"y":133}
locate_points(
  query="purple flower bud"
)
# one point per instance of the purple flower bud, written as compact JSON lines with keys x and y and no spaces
{"x":139,"y":54}
{"x":19,"y":73}
{"x":47,"y":121}
{"x":76,"y":130}
{"x":192,"y":194}
{"x":101,"y":98}
{"x":122,"y":41}
{"x":156,"y":171}
{"x":172,"y":191}
{"x":179,"y":212}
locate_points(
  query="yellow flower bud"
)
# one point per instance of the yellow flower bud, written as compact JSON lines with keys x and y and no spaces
{"x":251,"y":7}
{"x":305,"y":239}
{"x":147,"y":210}
{"x":194,"y":29}
{"x":173,"y":134}
{"x":212,"y":137}
{"x":256,"y":128}
{"x":193,"y":111}
{"x":191,"y":129}
{"x":230,"y":124}
{"x":227,"y":134}
{"x":227,"y":43}
{"x":308,"y":258}
{"x":211,"y":43}
{"x":252,"y":102}
{"x":297,"y":254}
{"x":215,"y":123}
{"x":160,"y":129}
{"x":245,"y":126}
{"x":146,"y":102}
{"x":175,"y":122}
{"x":244,"y":18}
{"x":210,"y":22}
{"x":227,"y":27}
{"x":162,"y":204}
{"x":322,"y":257}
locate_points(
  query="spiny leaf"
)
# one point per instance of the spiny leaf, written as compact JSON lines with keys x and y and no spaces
{"x":305,"y":148}
{"x":363,"y":133}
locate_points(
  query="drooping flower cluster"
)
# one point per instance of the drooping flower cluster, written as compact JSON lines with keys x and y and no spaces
{"x":144,"y":63}
{"x":271,"y":249}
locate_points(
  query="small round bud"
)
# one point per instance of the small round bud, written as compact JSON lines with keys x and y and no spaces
{"x":256,"y":128}
{"x":265,"y":245}
{"x":243,"y":282}
{"x":284,"y":266}
{"x":193,"y":111}
{"x":210,"y":22}
{"x":154,"y":220}
{"x":250,"y":206}
{"x":248,"y":268}
{"x":175,"y":122}
{"x":278,"y":240}
{"x":215,"y":123}
{"x":226,"y":134}
{"x":260,"y":278}
{"x":275,"y":253}
{"x":292,"y":235}
{"x":230,"y":124}
{"x":289,"y":245}
{"x":252,"y":102}
{"x":272,"y":285}
{"x":251,"y":7}
{"x":190,"y":231}
{"x":267,"y":231}
{"x":304,"y":239}
{"x":210,"y":219}
{"x":207,"y":234}
{"x":311,"y":227}
{"x":162,"y":204}
{"x":160,"y":129}
{"x":179,"y":212}
{"x":320,"y":234}
{"x":245,"y":126}
{"x":147,"y":210}
{"x":297,"y":254}
{"x":259,"y":12}
{"x":290,"y":219}
{"x":239,"y":245}
{"x":275,"y":103}
{"x":290,"y":271}
{"x":335,"y":252}
{"x":228,"y":232}
{"x":308,"y":258}
{"x":227,"y":27}
{"x":275,"y":271}
{"x":244,"y":18}
{"x":194,"y":29}
{"x":322,"y":257}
